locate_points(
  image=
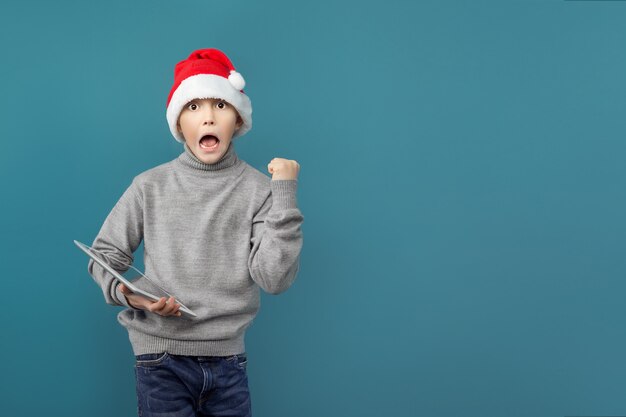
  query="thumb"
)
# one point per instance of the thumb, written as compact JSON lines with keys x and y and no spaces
{"x":123,"y":289}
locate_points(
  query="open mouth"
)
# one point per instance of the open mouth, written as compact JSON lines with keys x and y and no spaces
{"x":209,"y":142}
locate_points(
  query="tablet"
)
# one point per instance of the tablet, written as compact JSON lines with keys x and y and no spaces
{"x":91,"y":253}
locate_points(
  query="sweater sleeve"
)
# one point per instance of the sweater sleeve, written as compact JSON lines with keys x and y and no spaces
{"x":119,"y":237}
{"x":276,"y":239}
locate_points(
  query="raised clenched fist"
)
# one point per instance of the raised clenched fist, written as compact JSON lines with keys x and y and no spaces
{"x":283,"y":169}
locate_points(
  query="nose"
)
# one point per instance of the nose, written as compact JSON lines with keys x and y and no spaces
{"x":208,"y":116}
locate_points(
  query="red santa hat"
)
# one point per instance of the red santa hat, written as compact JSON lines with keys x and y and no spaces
{"x":207,"y":73}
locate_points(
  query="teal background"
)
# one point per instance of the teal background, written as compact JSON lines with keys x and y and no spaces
{"x":462,"y":182}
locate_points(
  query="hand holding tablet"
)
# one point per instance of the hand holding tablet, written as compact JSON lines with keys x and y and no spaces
{"x":164,"y":307}
{"x":158,"y":306}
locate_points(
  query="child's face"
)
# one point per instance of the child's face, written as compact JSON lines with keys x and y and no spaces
{"x":203,"y":121}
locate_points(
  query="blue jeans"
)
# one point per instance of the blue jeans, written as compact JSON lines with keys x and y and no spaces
{"x":192,"y":386}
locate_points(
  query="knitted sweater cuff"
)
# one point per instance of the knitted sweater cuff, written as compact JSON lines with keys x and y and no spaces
{"x":284,"y":194}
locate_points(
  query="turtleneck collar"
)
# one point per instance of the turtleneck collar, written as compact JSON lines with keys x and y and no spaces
{"x":229,"y":159}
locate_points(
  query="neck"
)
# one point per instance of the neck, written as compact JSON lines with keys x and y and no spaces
{"x":227,"y":160}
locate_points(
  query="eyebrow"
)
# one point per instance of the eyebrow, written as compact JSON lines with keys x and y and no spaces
{"x":208,"y":98}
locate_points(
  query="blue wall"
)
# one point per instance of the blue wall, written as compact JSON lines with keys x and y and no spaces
{"x":462,"y":184}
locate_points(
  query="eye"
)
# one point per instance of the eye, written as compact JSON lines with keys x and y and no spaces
{"x":192,"y":106}
{"x":222,"y":104}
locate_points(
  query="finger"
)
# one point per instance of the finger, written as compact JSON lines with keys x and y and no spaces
{"x":155,"y":307}
{"x":167,"y":308}
{"x":170,"y":307}
{"x":162,"y":307}
{"x":175,"y":312}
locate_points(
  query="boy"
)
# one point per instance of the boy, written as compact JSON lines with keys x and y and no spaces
{"x":215,"y":230}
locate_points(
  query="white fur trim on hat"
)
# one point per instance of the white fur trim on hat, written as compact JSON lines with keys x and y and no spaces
{"x":209,"y":86}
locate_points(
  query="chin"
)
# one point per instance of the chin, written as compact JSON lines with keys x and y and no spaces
{"x":211,"y":158}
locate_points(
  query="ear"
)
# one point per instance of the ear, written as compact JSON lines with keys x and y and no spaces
{"x":239,"y":122}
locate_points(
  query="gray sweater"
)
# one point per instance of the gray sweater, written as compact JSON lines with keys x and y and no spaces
{"x":213,"y":234}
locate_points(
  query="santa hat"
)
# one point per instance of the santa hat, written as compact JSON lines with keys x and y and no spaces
{"x":207,"y":73}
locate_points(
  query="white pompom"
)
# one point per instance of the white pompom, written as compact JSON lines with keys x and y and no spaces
{"x":236,"y":80}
